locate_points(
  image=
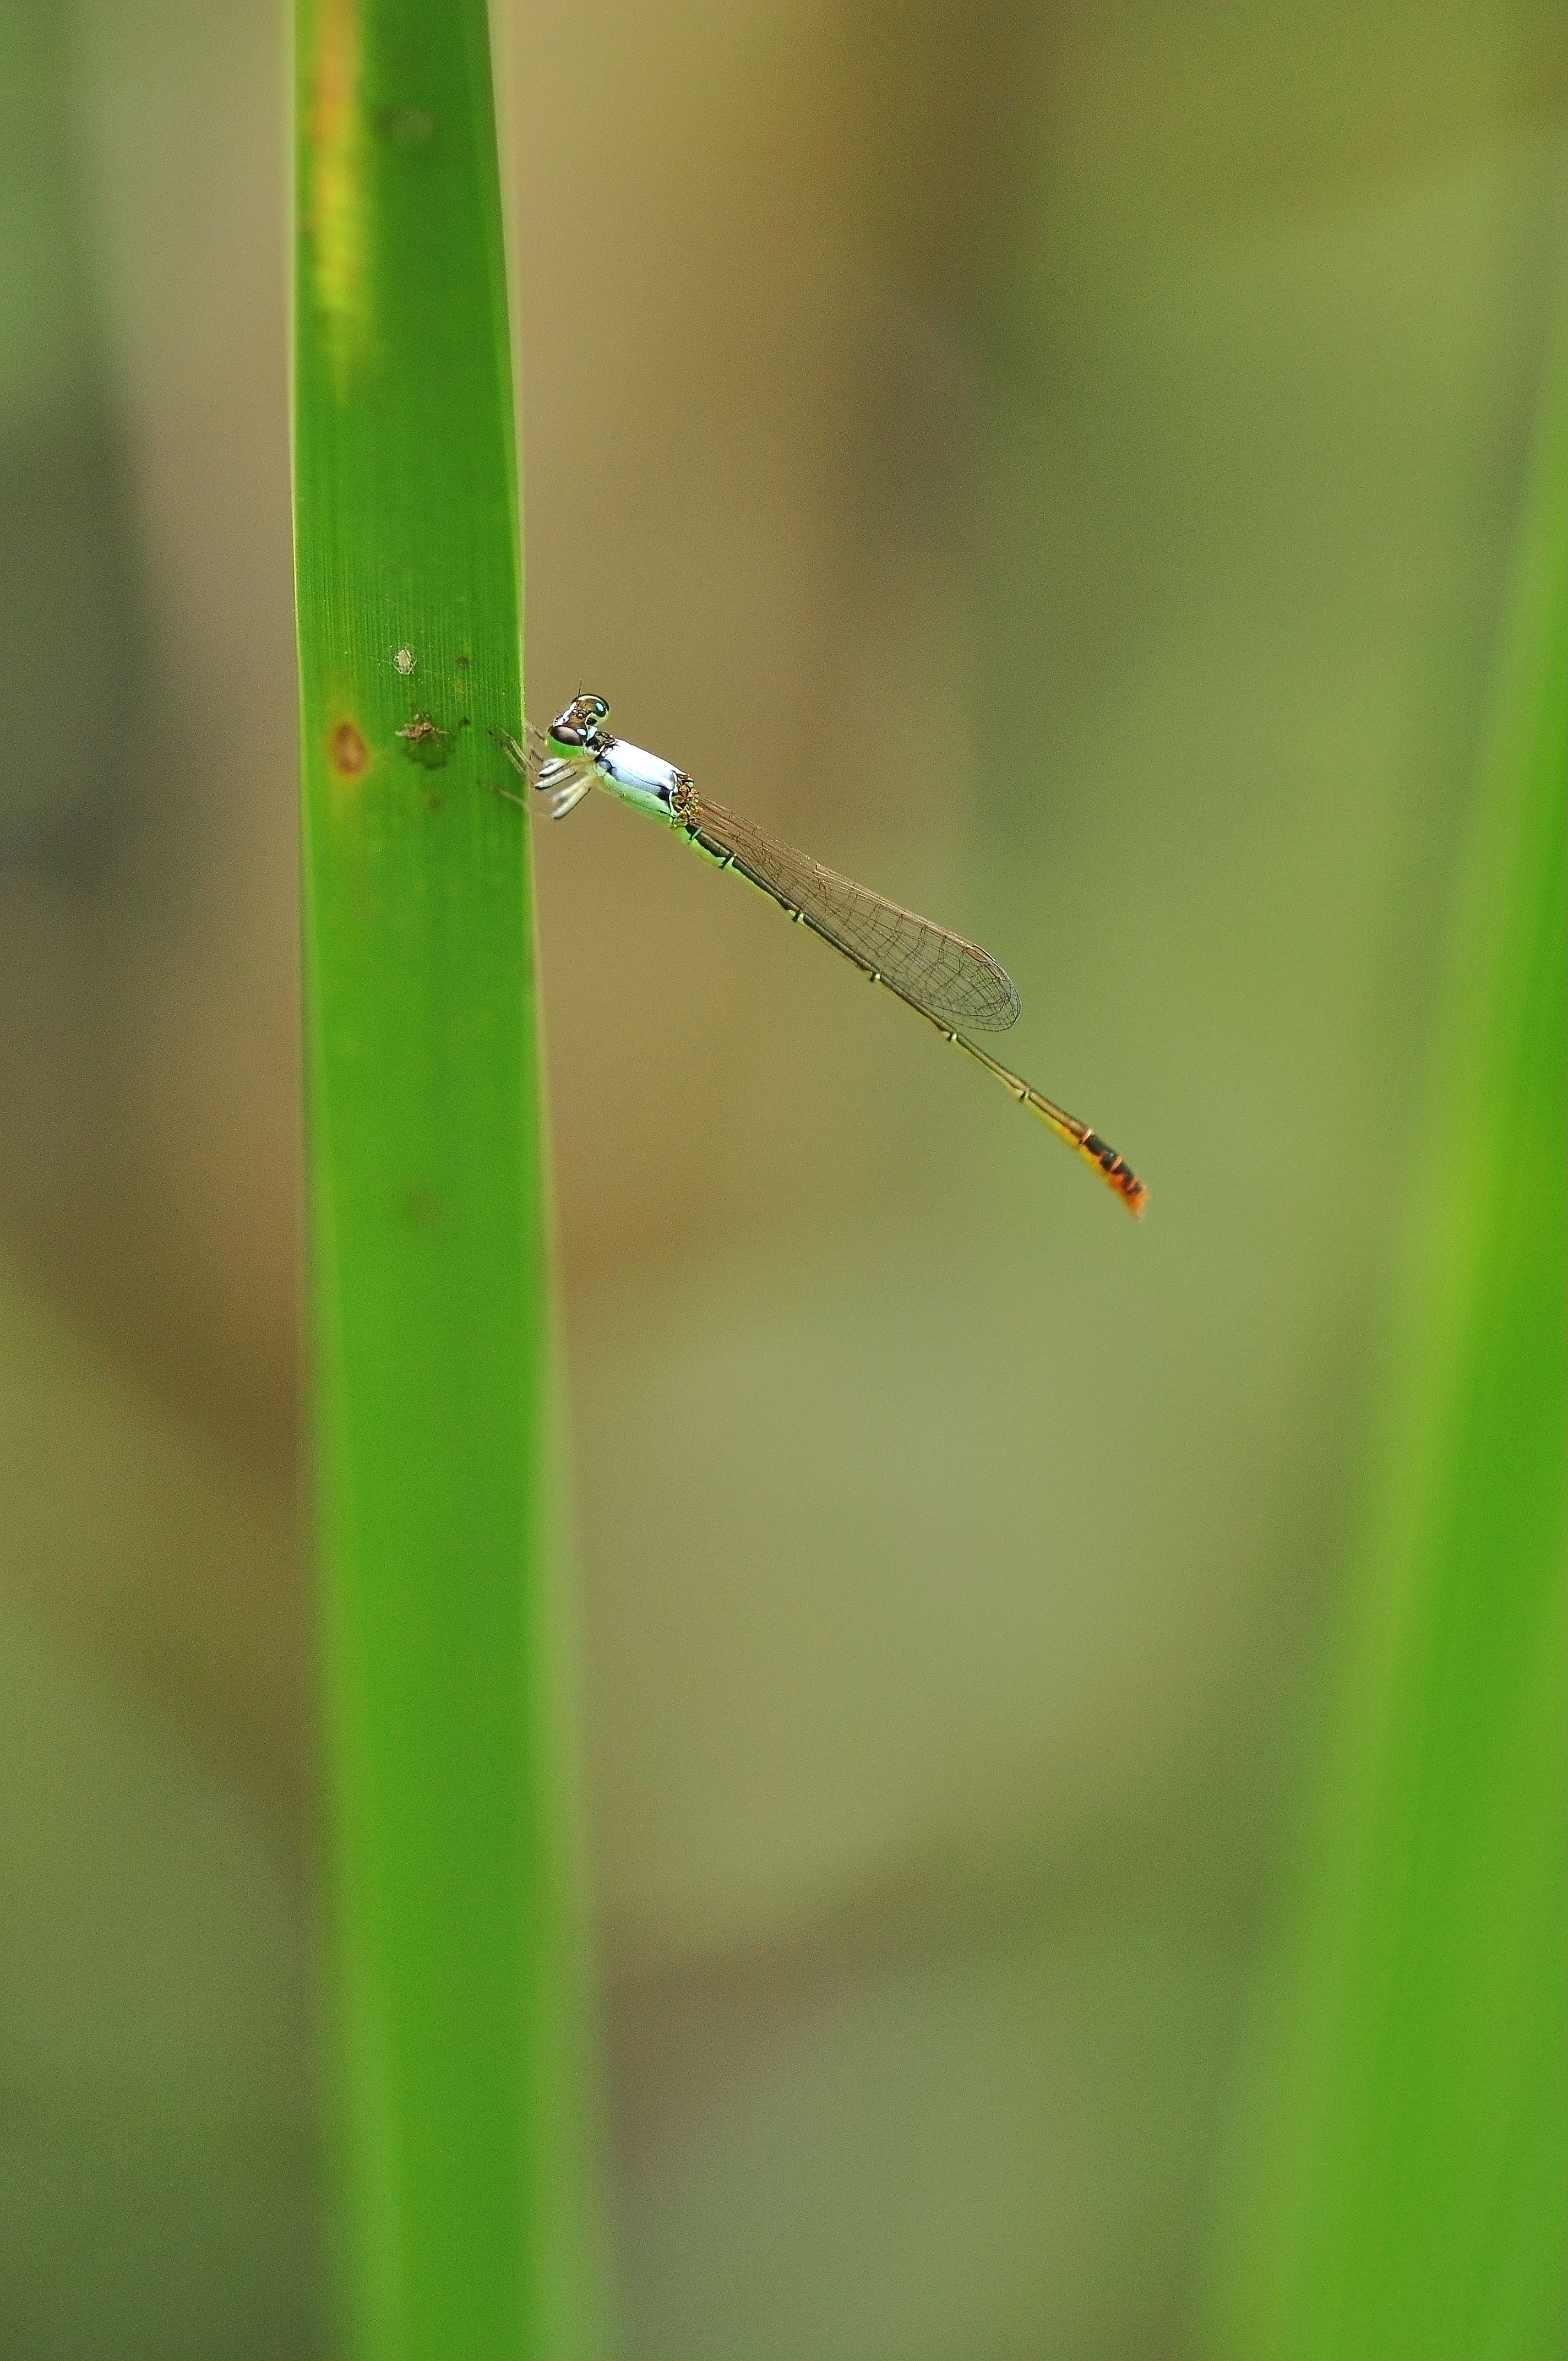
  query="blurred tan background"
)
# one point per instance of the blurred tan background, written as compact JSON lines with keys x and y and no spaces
{"x":1057,"y":464}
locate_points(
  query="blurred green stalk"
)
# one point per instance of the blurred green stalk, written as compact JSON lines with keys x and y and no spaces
{"x":1399,"y":2183}
{"x":456,"y":2078}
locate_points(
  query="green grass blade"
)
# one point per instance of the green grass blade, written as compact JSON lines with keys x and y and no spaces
{"x":449,"y":1851}
{"x":1399,"y":2185}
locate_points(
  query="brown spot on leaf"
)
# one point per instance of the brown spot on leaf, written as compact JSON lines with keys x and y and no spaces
{"x":347,"y":750}
{"x":405,"y":127}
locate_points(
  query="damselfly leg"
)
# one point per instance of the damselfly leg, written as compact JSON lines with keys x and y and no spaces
{"x":554,"y":785}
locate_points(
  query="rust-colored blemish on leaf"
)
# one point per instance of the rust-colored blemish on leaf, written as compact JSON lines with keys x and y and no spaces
{"x":347,"y":750}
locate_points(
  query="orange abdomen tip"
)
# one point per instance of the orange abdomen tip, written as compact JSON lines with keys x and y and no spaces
{"x":1115,"y":1173}
{"x":1134,"y":1195}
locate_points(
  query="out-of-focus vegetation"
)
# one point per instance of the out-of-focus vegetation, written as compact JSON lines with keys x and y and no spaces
{"x":1062,"y":466}
{"x":1402,"y":2189}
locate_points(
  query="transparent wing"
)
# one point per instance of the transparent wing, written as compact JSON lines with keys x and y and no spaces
{"x":953,"y":981}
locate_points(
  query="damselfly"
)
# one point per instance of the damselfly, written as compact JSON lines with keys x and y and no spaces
{"x":946,"y":980}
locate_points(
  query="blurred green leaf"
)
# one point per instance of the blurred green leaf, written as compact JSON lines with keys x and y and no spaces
{"x":1398,"y":2191}
{"x":450,"y":1848}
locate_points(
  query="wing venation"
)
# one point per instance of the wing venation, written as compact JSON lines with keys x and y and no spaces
{"x":951,"y":979}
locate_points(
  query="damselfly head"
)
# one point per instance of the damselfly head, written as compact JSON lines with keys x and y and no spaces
{"x":579,"y":724}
